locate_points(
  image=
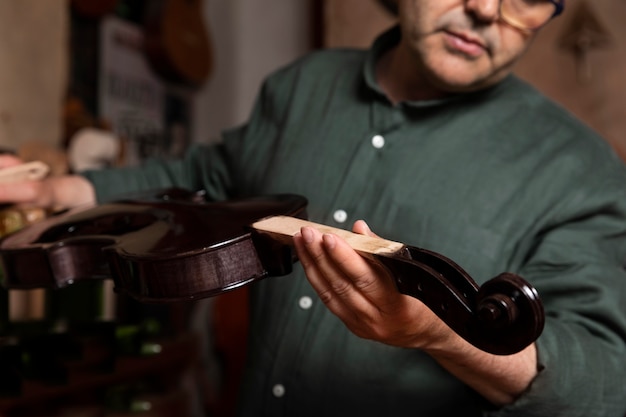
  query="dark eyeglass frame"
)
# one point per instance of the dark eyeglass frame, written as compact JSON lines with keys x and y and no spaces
{"x":560,"y":5}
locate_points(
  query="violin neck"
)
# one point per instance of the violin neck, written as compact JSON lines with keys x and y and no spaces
{"x":283,"y":228}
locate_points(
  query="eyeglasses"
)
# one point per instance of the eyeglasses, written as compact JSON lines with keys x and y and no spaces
{"x":529,"y":15}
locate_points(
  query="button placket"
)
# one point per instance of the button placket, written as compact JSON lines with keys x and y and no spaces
{"x":364,"y":157}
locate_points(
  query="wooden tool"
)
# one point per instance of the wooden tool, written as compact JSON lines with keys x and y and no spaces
{"x":29,"y":171}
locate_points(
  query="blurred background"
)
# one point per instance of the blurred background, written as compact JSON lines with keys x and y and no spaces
{"x":97,"y":83}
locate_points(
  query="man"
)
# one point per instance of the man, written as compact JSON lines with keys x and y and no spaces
{"x":429,"y":138}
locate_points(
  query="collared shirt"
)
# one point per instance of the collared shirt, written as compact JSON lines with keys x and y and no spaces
{"x":497,"y":180}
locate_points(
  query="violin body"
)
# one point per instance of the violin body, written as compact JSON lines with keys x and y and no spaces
{"x":174,"y":246}
{"x":169,"y":247}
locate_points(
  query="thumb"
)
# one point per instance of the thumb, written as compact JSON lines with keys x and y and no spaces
{"x":361,"y":227}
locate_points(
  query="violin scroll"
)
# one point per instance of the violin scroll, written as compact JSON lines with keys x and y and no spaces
{"x":503,"y":316}
{"x":509,"y":313}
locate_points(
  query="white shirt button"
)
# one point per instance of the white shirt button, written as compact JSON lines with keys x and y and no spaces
{"x":340,"y":216}
{"x":305,"y":302}
{"x":378,"y":141}
{"x":278,"y":390}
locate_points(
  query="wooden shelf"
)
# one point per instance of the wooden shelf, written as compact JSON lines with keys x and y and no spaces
{"x":176,"y":357}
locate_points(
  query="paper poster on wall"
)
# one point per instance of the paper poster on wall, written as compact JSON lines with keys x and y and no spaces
{"x":152,"y":121}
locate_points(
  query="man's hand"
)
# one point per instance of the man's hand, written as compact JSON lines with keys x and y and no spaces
{"x":54,"y":192}
{"x":362,"y":294}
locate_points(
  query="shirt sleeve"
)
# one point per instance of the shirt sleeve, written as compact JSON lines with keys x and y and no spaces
{"x":229,"y":168}
{"x":577,"y":265}
{"x":203,"y":167}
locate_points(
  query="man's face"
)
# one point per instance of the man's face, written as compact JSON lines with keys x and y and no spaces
{"x":460,"y":45}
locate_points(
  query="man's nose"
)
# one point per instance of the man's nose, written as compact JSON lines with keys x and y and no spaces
{"x":484,"y":10}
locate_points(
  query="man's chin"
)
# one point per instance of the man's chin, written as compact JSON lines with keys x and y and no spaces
{"x":457,"y":82}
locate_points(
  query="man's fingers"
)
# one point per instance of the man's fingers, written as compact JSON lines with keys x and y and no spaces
{"x":311,"y":257}
{"x":8,"y":160}
{"x":342,"y":276}
{"x":25,"y":192}
{"x":361,"y":272}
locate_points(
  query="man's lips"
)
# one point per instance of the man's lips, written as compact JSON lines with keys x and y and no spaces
{"x":465,"y":43}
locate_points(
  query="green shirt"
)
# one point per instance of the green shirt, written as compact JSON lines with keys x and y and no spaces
{"x":498,"y":180}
